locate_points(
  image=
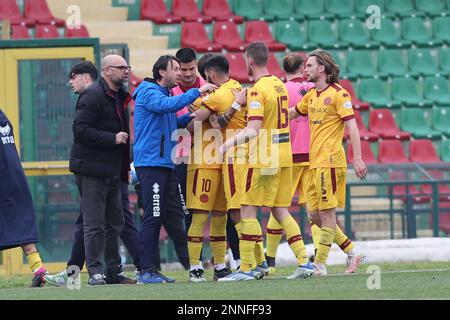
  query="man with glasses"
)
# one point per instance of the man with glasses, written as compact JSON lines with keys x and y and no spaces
{"x":100,"y":161}
{"x":82,"y":75}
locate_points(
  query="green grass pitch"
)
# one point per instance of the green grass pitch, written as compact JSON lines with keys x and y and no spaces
{"x":424,"y":280}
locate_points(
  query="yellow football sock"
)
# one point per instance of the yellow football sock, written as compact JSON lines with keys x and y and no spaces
{"x":315,"y":233}
{"x":195,"y":237}
{"x":35,"y":262}
{"x":343,"y":241}
{"x":273,"y":236}
{"x":218,"y":239}
{"x":249,"y":235}
{"x":259,"y":247}
{"x":326,"y":240}
{"x":295,"y":239}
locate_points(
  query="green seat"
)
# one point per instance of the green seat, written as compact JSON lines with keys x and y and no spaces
{"x":361,"y":64}
{"x":293,"y":34}
{"x":407,"y":92}
{"x":390,"y":35}
{"x":392,"y":63}
{"x":414,"y":30}
{"x":445,"y":150}
{"x":281,"y":9}
{"x":414,"y":120}
{"x":432,"y":8}
{"x":444,"y":60}
{"x":441,"y":119}
{"x":375,"y":92}
{"x":354,"y":32}
{"x":340,"y":57}
{"x":321,"y":32}
{"x":441,"y":26}
{"x":342,"y":8}
{"x":172,"y":31}
{"x":251,"y":10}
{"x":437,"y":90}
{"x":312,"y":9}
{"x":402,"y":8}
{"x":421,"y":61}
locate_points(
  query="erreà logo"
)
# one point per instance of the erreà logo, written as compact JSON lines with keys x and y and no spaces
{"x":5,"y":131}
{"x":156,"y":201}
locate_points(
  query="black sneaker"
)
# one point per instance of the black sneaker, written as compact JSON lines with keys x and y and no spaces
{"x":221,"y":273}
{"x":38,"y":280}
{"x":197,"y":275}
{"x":97,"y":280}
{"x":120,"y":278}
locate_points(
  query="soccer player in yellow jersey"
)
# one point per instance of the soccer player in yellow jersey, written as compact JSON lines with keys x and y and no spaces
{"x":206,"y":184}
{"x":330,"y":109}
{"x":267,"y":181}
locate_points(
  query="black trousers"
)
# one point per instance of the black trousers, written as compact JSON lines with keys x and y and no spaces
{"x":101,"y":207}
{"x":162,"y":206}
{"x":129,"y":235}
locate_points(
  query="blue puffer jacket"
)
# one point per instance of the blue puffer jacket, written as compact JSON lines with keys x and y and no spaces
{"x":155,"y":121}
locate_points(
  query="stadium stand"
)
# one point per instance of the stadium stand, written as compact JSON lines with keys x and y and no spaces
{"x":187,"y":10}
{"x":226,"y":34}
{"x":402,"y":191}
{"x":415,"y":120}
{"x":259,"y":31}
{"x":193,"y":35}
{"x":156,"y":11}
{"x":357,"y":104}
{"x":19,"y":32}
{"x":376,"y":93}
{"x":80,"y":32}
{"x":422,"y":151}
{"x":366,"y":151}
{"x":219,"y":10}
{"x":39,"y":11}
{"x":238,"y":70}
{"x":47,"y":31}
{"x":252,"y":10}
{"x":391,"y":152}
{"x":9,"y":10}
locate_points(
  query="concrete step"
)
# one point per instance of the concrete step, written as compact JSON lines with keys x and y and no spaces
{"x":124,"y":29}
{"x":91,"y":11}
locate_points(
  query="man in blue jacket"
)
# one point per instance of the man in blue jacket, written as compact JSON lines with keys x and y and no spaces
{"x":155,"y":122}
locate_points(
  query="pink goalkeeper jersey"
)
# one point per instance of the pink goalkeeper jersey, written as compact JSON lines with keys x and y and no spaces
{"x":184,"y":145}
{"x":300,"y":135}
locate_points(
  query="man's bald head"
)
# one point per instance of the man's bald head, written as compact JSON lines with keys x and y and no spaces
{"x":115,"y":71}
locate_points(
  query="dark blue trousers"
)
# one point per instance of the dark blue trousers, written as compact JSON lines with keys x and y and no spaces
{"x":129,"y":235}
{"x":162,"y":206}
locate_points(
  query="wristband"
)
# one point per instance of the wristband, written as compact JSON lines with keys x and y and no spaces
{"x":236,"y":106}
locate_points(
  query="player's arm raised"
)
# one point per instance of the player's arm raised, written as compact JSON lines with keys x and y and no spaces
{"x":221,"y":121}
{"x":358,"y":163}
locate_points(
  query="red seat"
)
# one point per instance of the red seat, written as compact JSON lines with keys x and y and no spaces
{"x":188,"y":11}
{"x":19,"y":32}
{"x":366,"y":152}
{"x":382,"y":122}
{"x":443,"y":189}
{"x":46,"y":31}
{"x":238,"y":69}
{"x":9,"y":10}
{"x":193,"y":35}
{"x":357,"y":104}
{"x":274,"y":67}
{"x":259,"y":31}
{"x":227,"y":35}
{"x":402,"y":191}
{"x":81,"y":32}
{"x":219,"y":10}
{"x":422,"y":151}
{"x":363,"y":132}
{"x":156,"y":11}
{"x":391,"y":151}
{"x":38,"y":10}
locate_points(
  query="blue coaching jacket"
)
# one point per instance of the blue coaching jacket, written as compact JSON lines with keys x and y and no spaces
{"x":155,"y":121}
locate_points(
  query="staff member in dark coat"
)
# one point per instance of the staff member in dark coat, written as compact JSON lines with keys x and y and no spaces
{"x":17,"y":216}
{"x":100,"y":160}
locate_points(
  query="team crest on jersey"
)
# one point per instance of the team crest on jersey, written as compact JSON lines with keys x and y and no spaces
{"x":328,"y":101}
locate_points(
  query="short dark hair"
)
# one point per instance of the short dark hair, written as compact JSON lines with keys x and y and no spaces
{"x":292,"y":62}
{"x":162,"y":64}
{"x":201,"y":63}
{"x":186,"y":55}
{"x":259,"y":53}
{"x":218,"y":63}
{"x":85,"y":67}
